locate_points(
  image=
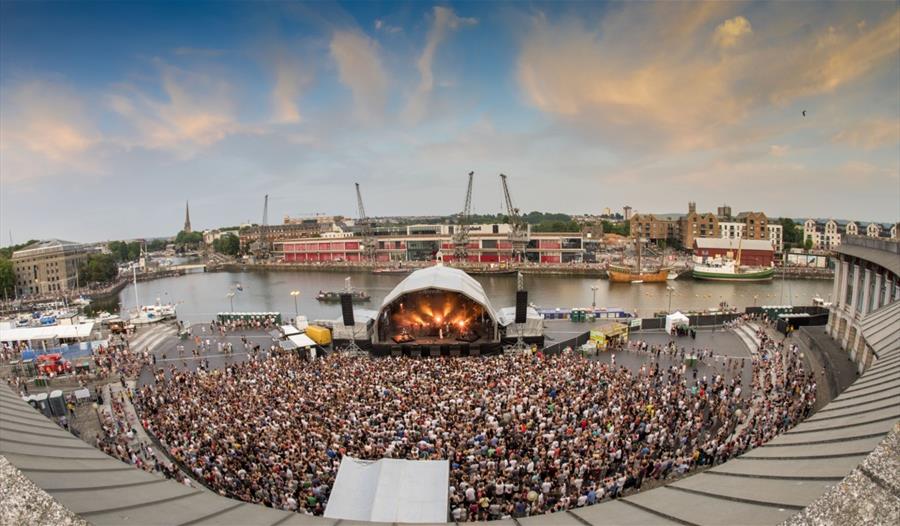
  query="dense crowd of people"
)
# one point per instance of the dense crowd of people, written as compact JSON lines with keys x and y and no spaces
{"x":524,"y":435}
{"x":117,"y":437}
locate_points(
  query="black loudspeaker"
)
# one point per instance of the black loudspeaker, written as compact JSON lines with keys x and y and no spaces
{"x":521,"y":305}
{"x":347,"y":310}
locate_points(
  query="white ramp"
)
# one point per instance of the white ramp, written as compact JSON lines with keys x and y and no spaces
{"x":390,"y":490}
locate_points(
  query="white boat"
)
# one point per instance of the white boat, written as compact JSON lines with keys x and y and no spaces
{"x":730,"y":271}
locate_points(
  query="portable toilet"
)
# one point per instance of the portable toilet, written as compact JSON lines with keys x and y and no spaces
{"x":43,"y":404}
{"x":31,"y":401}
{"x":58,"y":403}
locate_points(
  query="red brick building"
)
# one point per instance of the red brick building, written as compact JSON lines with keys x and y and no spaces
{"x":756,"y":253}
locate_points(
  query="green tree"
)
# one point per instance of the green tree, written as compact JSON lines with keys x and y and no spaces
{"x":228,"y":244}
{"x":189,"y":239}
{"x":7,"y":278}
{"x":622,"y":228}
{"x":808,"y":244}
{"x":156,"y":245}
{"x":791,"y":234}
{"x":98,"y":268}
{"x":7,"y":252}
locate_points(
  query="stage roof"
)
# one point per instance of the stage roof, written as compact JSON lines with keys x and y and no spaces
{"x":390,"y":490}
{"x":442,"y":278}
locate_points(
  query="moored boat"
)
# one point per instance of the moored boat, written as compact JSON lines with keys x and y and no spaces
{"x":331,"y":296}
{"x":637,"y":273}
{"x":729,"y":271}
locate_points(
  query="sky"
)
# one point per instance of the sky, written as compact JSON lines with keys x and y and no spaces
{"x":113,"y":114}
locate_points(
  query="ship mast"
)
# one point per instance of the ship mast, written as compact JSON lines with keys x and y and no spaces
{"x":738,"y":262}
{"x":638,"y":243}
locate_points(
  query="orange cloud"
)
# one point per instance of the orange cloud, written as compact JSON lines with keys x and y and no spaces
{"x":359,"y":68}
{"x":675,"y":92}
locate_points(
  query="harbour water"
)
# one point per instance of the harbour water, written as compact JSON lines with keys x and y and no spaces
{"x":200,"y":296}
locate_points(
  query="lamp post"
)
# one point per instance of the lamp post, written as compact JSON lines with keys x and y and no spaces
{"x":594,"y":300}
{"x":231,"y":300}
{"x":295,"y":293}
{"x":670,"y":289}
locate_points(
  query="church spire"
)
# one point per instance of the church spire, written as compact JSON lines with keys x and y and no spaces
{"x":187,"y":218}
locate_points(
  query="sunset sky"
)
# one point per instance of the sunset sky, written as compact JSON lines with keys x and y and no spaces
{"x":113,"y":114}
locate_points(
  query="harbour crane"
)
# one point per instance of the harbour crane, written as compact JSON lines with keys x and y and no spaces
{"x":518,"y":230}
{"x":365,"y":228}
{"x":461,"y":236}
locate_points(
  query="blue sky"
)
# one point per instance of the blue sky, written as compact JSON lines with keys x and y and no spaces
{"x":113,"y":114}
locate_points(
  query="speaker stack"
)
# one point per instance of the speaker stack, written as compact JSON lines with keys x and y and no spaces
{"x":347,"y":309}
{"x":521,"y":306}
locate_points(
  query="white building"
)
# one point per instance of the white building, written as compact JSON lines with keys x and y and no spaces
{"x":827,"y":233}
{"x":735,"y":230}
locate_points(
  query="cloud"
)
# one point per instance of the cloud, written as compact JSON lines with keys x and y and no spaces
{"x":384,"y":27}
{"x":289,"y":82}
{"x":871,"y":134}
{"x":674,"y":92}
{"x":779,"y":150}
{"x":731,"y":31}
{"x":360,"y":69}
{"x":196,"y":110}
{"x":45,"y":130}
{"x":445,"y":20}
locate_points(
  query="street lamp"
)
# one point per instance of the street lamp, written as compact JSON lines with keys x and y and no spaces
{"x":594,"y":300}
{"x":295,"y":293}
{"x":670,"y":289}
{"x":231,"y":300}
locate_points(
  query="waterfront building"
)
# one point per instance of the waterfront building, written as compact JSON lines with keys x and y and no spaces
{"x":754,"y":252}
{"x":865,"y":310}
{"x":48,"y":267}
{"x":488,"y":243}
{"x":774,"y":232}
{"x":697,"y":225}
{"x":826,"y":234}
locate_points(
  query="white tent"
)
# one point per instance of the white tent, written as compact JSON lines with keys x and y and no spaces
{"x":676,"y":319}
{"x":533,"y":326}
{"x":390,"y":490}
{"x":47,"y":332}
{"x":301,"y":340}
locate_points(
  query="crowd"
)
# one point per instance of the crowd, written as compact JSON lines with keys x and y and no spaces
{"x":118,"y":438}
{"x":524,"y":435}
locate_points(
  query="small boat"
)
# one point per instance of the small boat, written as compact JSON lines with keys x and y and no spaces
{"x":391,"y":270}
{"x":335,"y":296}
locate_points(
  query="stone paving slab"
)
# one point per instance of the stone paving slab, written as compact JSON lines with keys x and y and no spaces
{"x":889,"y":381}
{"x":246,"y":514}
{"x":617,"y":513}
{"x":52,"y":481}
{"x":28,"y":463}
{"x":13,"y":448}
{"x":864,"y":407}
{"x":850,"y":420}
{"x":550,"y":519}
{"x":875,"y":428}
{"x":67,"y":441}
{"x":832,"y":468}
{"x":847,"y":447}
{"x":192,"y":507}
{"x":887,"y":395}
{"x":89,"y":500}
{"x":299,"y":519}
{"x":698,"y":509}
{"x":787,"y":493}
{"x":22,"y":502}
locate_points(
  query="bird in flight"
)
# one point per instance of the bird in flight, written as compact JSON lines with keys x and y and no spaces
{"x":804,"y":113}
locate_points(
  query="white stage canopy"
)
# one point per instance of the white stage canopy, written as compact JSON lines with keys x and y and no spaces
{"x":47,"y":332}
{"x":676,"y":319}
{"x":302,"y":340}
{"x":390,"y":490}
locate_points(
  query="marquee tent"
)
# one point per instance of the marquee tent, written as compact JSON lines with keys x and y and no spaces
{"x":676,"y":319}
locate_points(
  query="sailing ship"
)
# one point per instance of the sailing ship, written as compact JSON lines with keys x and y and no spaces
{"x":732,"y":270}
{"x":637,"y":274}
